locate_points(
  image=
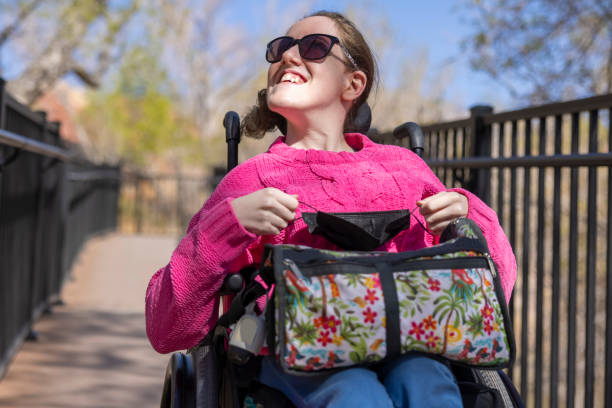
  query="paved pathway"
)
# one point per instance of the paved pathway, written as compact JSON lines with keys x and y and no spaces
{"x":93,"y":351}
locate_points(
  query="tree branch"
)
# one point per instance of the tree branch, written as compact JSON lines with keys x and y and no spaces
{"x":91,"y":80}
{"x":104,"y":58}
{"x":547,"y":46}
{"x":24,"y":12}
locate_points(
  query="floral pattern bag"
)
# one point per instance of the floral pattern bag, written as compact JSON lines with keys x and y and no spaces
{"x":335,"y":309}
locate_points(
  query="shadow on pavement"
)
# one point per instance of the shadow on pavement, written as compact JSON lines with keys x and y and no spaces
{"x":93,"y":351}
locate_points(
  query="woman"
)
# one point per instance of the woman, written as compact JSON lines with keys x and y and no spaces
{"x":320,"y":72}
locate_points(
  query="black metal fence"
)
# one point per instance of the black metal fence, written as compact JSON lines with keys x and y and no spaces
{"x":160,"y":203}
{"x":50,"y":202}
{"x":546,"y":171}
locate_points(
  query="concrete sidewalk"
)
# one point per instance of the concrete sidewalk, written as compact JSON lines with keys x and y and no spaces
{"x":93,"y":351}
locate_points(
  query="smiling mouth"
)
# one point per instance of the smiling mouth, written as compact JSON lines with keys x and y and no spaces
{"x":289,"y":77}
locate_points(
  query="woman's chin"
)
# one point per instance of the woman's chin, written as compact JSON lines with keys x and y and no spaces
{"x":284,"y":105}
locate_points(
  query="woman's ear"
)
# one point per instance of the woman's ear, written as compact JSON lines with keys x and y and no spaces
{"x":355,"y":85}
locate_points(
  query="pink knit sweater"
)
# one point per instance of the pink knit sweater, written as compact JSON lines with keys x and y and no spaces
{"x":182,"y":300}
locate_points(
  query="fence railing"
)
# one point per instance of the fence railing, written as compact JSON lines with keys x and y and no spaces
{"x":160,"y":203}
{"x":547,"y":172}
{"x":50,"y":202}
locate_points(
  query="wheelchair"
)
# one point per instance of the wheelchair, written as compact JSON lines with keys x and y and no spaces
{"x":204,"y":377}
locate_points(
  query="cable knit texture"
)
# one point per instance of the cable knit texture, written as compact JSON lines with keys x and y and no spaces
{"x":182,"y":300}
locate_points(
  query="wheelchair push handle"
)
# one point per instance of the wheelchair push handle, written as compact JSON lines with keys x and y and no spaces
{"x":413,"y":132}
{"x":232,"y":284}
{"x":363,"y":119}
{"x":231,"y":122}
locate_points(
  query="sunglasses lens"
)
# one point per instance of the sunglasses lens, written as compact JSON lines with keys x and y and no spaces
{"x":315,"y":46}
{"x":277,"y":47}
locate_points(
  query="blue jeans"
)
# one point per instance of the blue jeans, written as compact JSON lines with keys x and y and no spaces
{"x":411,"y":381}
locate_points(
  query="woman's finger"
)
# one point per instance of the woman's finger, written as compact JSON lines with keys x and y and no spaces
{"x":290,"y":201}
{"x":283,"y":212}
{"x":279,"y":201}
{"x":267,"y":224}
{"x":275,"y":221}
{"x":442,"y":200}
{"x":445,"y":215}
{"x":435,"y":202}
{"x":439,"y":226}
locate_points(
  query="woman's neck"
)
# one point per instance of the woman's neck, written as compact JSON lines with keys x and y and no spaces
{"x":330,"y":138}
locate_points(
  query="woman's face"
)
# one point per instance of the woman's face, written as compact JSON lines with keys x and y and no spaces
{"x":298,"y":84}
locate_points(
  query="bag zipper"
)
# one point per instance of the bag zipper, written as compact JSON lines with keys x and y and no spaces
{"x":413,"y":264}
{"x":491,"y":264}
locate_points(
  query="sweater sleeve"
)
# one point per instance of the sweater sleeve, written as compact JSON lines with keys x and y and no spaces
{"x":486,"y":218}
{"x":181,"y":298}
{"x":498,"y":243}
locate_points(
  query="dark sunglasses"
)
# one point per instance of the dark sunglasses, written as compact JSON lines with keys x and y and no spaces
{"x":311,"y":47}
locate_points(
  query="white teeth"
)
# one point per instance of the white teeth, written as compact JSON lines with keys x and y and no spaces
{"x":288,"y":76}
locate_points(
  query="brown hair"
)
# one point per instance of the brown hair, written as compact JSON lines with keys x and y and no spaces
{"x":260,"y":119}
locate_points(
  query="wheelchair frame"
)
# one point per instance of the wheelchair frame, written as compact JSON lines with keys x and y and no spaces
{"x":193,"y":378}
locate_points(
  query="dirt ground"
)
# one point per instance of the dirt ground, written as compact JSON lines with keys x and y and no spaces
{"x":93,"y":351}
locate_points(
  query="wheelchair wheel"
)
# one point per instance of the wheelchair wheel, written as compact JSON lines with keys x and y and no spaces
{"x":179,"y":384}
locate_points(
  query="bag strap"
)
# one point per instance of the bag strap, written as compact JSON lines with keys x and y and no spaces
{"x":249,"y":294}
{"x":391,"y":309}
{"x":252,"y":290}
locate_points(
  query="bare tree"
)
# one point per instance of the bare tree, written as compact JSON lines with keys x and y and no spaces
{"x":418,"y":94}
{"x":216,"y":64}
{"x":57,"y":58}
{"x":24,"y":12}
{"x":544,"y":50}
{"x":411,"y":88}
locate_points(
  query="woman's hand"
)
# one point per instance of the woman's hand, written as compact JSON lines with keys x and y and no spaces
{"x":442,"y":208}
{"x":266,"y":211}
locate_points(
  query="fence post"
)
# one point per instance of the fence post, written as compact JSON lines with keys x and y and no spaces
{"x":118,"y":185}
{"x":179,"y":201}
{"x":2,"y":125}
{"x":4,"y":315}
{"x":138,"y":203}
{"x":480,"y":180}
{"x":2,"y":104}
{"x":37,"y":281}
{"x":62,"y":202}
